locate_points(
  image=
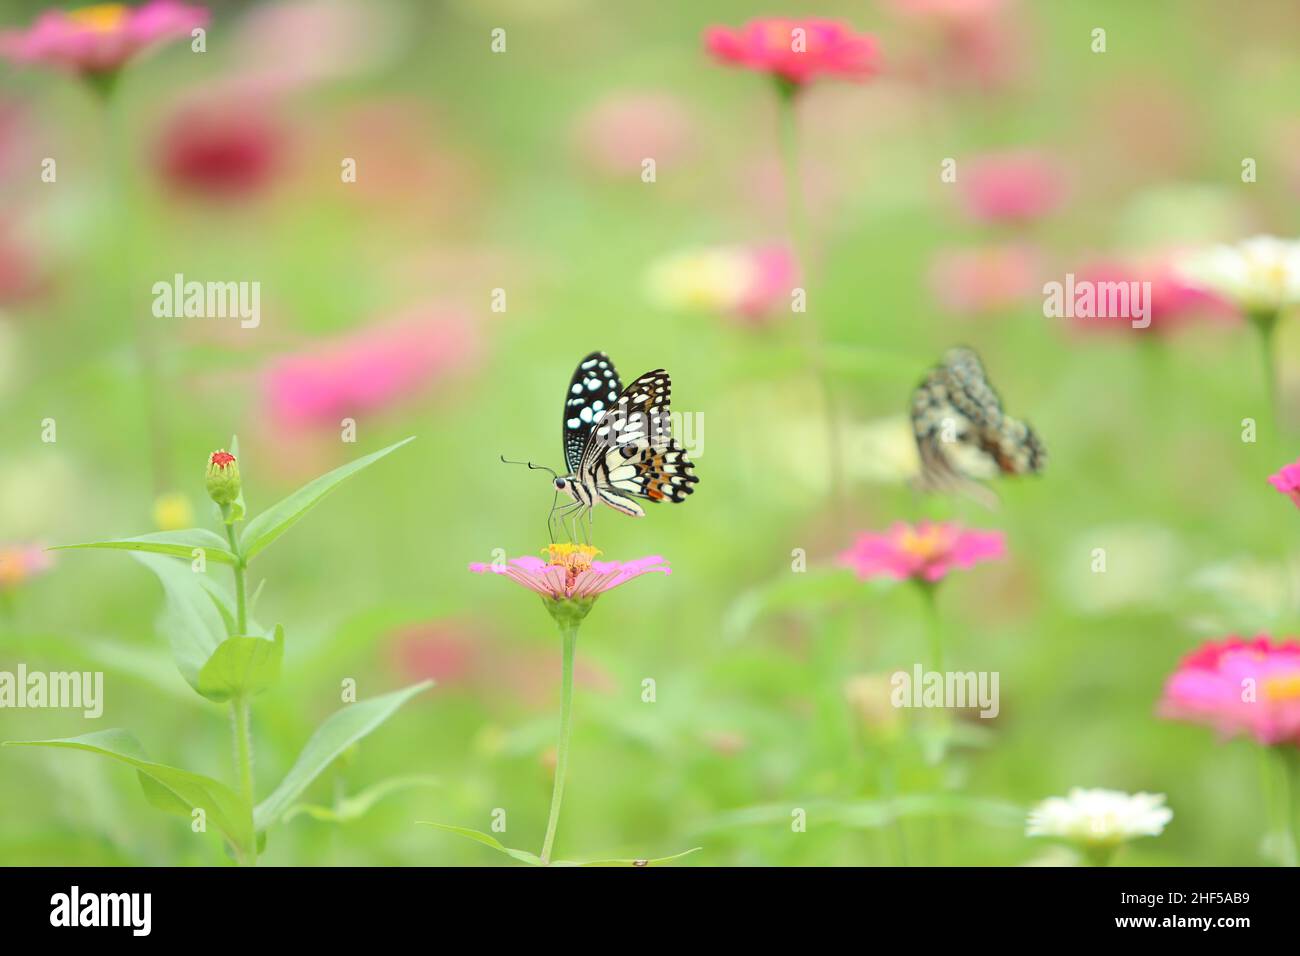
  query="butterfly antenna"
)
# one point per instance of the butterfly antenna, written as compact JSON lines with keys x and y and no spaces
{"x":530,"y":465}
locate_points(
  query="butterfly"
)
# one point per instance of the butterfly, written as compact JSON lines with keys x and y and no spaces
{"x":618,"y":443}
{"x":962,"y":433}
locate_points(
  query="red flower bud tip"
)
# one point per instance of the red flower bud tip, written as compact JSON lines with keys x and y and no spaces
{"x":222,"y":458}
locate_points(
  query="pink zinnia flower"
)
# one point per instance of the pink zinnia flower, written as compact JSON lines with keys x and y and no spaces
{"x":1240,"y":686}
{"x":1015,"y":186}
{"x":367,"y":371}
{"x":1287,"y":481}
{"x":21,"y":563}
{"x":570,"y":573}
{"x":1175,"y":300}
{"x":99,"y":39}
{"x":923,"y":552}
{"x":796,"y":51}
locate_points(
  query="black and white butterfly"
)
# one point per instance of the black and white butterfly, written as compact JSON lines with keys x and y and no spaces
{"x":962,"y":433}
{"x":618,"y":443}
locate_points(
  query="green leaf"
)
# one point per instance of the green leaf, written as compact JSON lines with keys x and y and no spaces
{"x":191,"y":621}
{"x":532,"y":859}
{"x":170,"y":788}
{"x":145,"y":663}
{"x":339,"y":731}
{"x":659,"y":861}
{"x":225,"y":604}
{"x":358,"y":805}
{"x":523,"y":856}
{"x":276,"y":520}
{"x":242,"y":667}
{"x":160,"y":797}
{"x":178,"y":544}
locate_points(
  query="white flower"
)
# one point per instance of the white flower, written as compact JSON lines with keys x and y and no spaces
{"x":1260,"y":275}
{"x":1106,"y":817}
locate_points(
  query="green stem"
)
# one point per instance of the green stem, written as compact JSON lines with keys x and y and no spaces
{"x":933,"y":626}
{"x":1100,"y":854}
{"x":120,"y":230}
{"x":1281,"y":776}
{"x":241,"y":591}
{"x":239,"y":707}
{"x":814,"y":344}
{"x":1265,"y":324}
{"x":244,"y":756}
{"x":943,"y":721}
{"x":570,"y":634}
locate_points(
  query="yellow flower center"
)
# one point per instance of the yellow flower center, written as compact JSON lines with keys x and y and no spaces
{"x":925,"y":543}
{"x":574,"y":558}
{"x":1283,"y":688}
{"x":103,"y":17}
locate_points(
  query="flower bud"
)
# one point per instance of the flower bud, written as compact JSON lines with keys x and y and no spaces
{"x":223,"y":478}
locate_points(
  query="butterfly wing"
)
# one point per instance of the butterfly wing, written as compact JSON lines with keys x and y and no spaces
{"x":632,"y":452}
{"x":962,"y":433}
{"x":593,"y":390}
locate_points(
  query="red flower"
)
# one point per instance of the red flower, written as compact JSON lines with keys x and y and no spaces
{"x":796,"y":51}
{"x":221,"y":459}
{"x":221,"y":150}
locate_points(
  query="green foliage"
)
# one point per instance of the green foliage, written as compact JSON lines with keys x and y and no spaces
{"x":339,"y":731}
{"x":242,"y":667}
{"x":168,"y":788}
{"x":532,"y":859}
{"x":177,"y":544}
{"x":216,"y":648}
{"x":277,"y":519}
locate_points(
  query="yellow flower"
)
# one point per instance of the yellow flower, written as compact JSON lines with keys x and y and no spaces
{"x":172,"y":512}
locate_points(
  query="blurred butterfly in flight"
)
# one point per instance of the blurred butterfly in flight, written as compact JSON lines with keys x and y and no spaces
{"x":962,"y":433}
{"x":618,"y":444}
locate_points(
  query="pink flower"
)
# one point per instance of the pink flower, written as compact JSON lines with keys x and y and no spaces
{"x":923,"y":552}
{"x":571,"y":574}
{"x":21,"y":563}
{"x":1015,"y":186}
{"x":99,"y":39}
{"x":1287,"y":481}
{"x":1239,"y":686}
{"x":367,"y":371}
{"x":221,"y":150}
{"x":622,"y":130}
{"x":796,"y":51}
{"x":1174,"y":300}
{"x":984,"y":280}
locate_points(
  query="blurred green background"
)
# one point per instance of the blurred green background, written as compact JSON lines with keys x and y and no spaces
{"x":480,"y":171}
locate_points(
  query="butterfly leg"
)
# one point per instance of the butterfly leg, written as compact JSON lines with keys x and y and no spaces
{"x":556,"y":521}
{"x":577,"y":515}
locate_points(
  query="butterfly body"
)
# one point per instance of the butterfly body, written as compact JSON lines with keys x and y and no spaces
{"x":962,"y":433}
{"x":618,"y":443}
